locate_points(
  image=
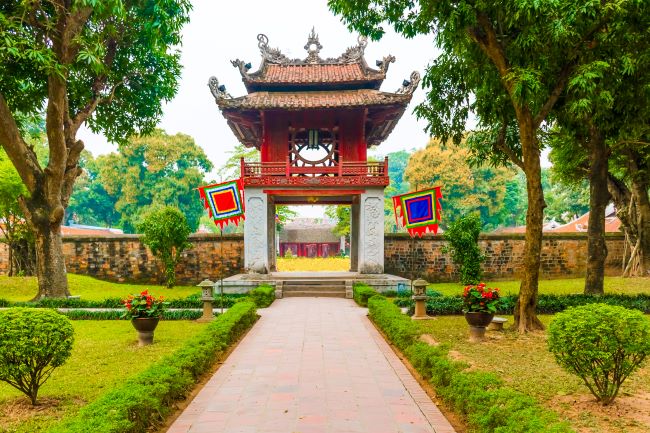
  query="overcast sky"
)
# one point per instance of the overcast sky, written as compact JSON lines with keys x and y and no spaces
{"x":222,"y":31}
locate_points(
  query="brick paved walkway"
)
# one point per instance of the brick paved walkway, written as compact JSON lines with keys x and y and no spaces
{"x":312,"y":365}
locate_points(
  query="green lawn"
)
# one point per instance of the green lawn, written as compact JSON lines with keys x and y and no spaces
{"x":525,"y":363}
{"x":628,"y":286}
{"x":104,"y":354}
{"x":25,"y":288}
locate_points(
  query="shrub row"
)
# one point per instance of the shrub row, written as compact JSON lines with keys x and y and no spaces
{"x":192,"y":301}
{"x":482,"y":398}
{"x":144,"y":400}
{"x":361,"y":293}
{"x":546,"y":304}
{"x":263,"y":295}
{"x":117,"y":315}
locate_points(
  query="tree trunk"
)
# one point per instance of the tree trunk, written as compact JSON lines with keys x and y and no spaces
{"x":50,"y":262}
{"x":640,"y":191}
{"x":598,"y":200}
{"x":525,"y":316}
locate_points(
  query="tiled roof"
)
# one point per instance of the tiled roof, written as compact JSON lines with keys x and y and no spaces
{"x":319,"y":99}
{"x":306,"y":74}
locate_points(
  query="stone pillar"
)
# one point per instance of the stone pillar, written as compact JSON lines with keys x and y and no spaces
{"x":371,"y":232}
{"x":256,"y":238}
{"x":272,"y":234}
{"x":354,"y":236}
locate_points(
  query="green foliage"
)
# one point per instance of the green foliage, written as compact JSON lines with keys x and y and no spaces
{"x":397,"y":326}
{"x":263,"y":296}
{"x":32,"y":344}
{"x":488,"y":405}
{"x":123,"y":48}
{"x":166,"y":232}
{"x":340,"y":214}
{"x":462,"y":236}
{"x":119,"y":315}
{"x":90,"y":203}
{"x":144,"y":401}
{"x":155,"y":170}
{"x":546,"y":304}
{"x":361,"y":294}
{"x":602,"y":344}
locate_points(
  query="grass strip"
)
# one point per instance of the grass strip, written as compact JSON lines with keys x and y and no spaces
{"x":482,"y":398}
{"x":143,"y":401}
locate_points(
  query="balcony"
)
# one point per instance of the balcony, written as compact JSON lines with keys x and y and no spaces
{"x":344,"y":173}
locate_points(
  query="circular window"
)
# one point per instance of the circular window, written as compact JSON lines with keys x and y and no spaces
{"x":313,"y":147}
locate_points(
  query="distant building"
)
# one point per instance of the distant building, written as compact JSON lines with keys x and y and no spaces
{"x":79,"y":229}
{"x":578,"y":225}
{"x":310,"y":237}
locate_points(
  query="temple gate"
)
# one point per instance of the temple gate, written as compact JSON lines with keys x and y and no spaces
{"x":312,"y":121}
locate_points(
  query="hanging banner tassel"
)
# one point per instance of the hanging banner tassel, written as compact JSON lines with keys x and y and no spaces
{"x":224,"y":202}
{"x":419,"y":211}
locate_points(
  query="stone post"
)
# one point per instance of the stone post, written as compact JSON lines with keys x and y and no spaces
{"x":256,"y":237}
{"x":420,"y":298}
{"x":354,"y":237}
{"x":371,"y":232}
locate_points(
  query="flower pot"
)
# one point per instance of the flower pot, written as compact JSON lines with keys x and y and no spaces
{"x":145,"y":327}
{"x":478,"y":319}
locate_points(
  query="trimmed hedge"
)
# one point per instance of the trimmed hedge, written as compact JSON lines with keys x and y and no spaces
{"x":143,"y":401}
{"x":117,"y":315}
{"x":546,"y":304}
{"x":192,"y":301}
{"x":361,"y":293}
{"x":482,"y":398}
{"x":263,"y":295}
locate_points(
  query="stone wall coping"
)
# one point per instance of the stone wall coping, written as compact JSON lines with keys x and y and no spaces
{"x":506,"y":236}
{"x":128,"y":237}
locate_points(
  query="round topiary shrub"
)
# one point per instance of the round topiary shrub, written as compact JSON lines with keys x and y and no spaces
{"x":602,"y":344}
{"x":33,"y":342}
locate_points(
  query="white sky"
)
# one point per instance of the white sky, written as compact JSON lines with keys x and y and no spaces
{"x":220,"y":31}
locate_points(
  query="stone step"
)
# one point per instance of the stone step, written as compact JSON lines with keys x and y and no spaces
{"x":315,"y":282}
{"x":314,"y":294}
{"x":308,"y":288}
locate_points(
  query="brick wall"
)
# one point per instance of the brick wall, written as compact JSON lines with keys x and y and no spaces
{"x":563,"y":255}
{"x":125,"y":259}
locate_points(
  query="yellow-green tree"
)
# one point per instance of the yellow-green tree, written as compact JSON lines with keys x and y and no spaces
{"x":465,"y":189}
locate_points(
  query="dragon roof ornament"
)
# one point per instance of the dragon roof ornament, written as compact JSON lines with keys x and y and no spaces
{"x":313,"y":46}
{"x":409,"y":86}
{"x":217,"y":90}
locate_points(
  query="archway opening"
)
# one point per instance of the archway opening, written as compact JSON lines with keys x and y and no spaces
{"x":313,"y":238}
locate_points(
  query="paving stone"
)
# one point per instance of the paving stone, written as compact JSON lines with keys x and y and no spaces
{"x":312,"y":365}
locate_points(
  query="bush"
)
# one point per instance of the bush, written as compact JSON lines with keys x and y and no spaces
{"x":361,"y":294}
{"x":546,"y":304}
{"x":32,"y":344}
{"x":119,"y":315}
{"x":462,"y":236}
{"x":165,"y":232}
{"x":263,"y":295}
{"x":482,"y":398}
{"x":144,"y":400}
{"x":602,"y":344}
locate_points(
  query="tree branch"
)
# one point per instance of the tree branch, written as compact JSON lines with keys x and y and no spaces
{"x":555,"y":94}
{"x":18,"y":151}
{"x":500,"y":144}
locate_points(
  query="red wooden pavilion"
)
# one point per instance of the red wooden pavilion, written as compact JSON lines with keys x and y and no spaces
{"x":313,"y":120}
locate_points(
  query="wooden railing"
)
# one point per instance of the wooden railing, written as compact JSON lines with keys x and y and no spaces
{"x":286,"y":169}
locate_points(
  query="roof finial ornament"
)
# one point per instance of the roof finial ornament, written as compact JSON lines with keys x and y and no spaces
{"x":409,"y":87}
{"x":271,"y":55}
{"x":313,"y":47}
{"x":354,"y":54}
{"x":385,"y":63}
{"x":217,"y":90}
{"x":242,"y":66}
